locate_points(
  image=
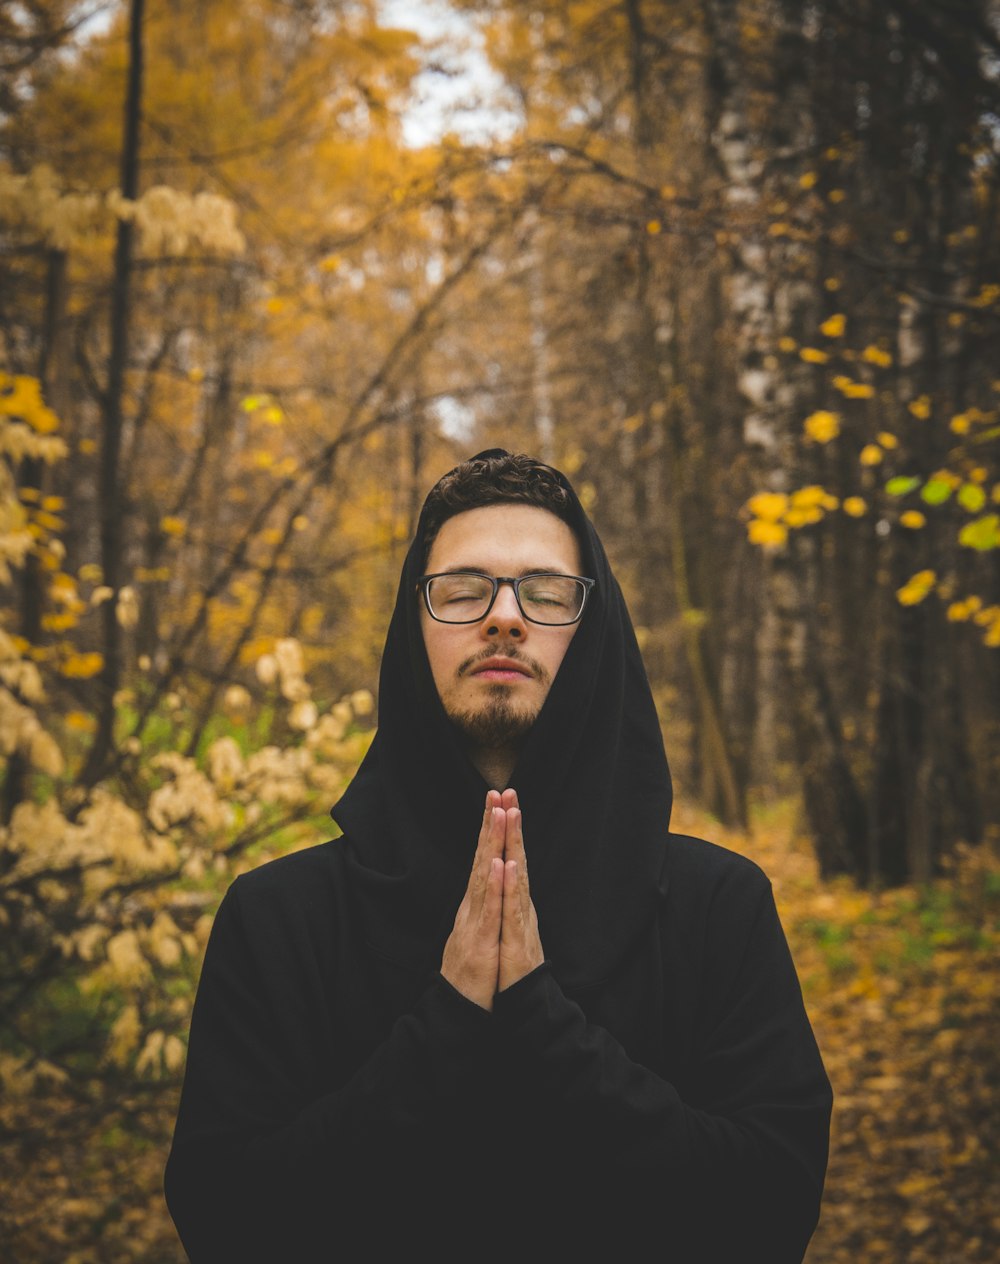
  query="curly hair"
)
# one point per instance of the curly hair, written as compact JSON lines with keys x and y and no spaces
{"x":493,"y":479}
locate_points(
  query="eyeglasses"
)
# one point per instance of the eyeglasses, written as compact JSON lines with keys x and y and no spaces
{"x":468,"y":596}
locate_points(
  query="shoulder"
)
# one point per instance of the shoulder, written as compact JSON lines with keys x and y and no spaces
{"x":297,"y":884}
{"x":698,"y":864}
{"x":713,"y":888}
{"x":297,"y":868}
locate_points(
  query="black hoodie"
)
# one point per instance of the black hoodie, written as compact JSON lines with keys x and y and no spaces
{"x":653,"y":1091}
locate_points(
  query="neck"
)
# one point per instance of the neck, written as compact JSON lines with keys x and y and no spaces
{"x":494,"y":763}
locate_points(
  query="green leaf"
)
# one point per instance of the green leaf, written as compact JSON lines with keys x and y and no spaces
{"x":981,"y":533}
{"x":936,"y":491}
{"x":972,"y":497}
{"x":902,"y":484}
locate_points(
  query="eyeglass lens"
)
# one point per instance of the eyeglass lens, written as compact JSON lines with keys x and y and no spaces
{"x":543,"y":598}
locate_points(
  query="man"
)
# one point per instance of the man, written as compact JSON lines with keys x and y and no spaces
{"x":408,"y":1040}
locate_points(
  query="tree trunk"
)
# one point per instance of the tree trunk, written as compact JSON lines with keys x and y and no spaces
{"x":111,"y":491}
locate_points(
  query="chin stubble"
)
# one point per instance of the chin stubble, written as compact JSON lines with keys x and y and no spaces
{"x":497,"y":722}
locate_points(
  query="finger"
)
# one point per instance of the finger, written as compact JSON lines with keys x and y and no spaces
{"x":482,"y":845}
{"x":514,"y":850}
{"x":491,"y":913}
{"x":508,"y":798}
{"x":513,"y":914}
{"x":492,"y":849}
{"x":514,"y":839}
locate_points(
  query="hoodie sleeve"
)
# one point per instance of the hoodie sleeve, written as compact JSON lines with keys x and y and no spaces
{"x":252,"y":1163}
{"x":739,"y":1156}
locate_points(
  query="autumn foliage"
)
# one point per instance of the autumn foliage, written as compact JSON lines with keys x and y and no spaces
{"x":735,"y":268}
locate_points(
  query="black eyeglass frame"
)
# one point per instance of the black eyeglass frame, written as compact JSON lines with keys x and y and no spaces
{"x":515,"y":582}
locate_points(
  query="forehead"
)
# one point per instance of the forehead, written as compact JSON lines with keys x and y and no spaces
{"x":505,"y":540}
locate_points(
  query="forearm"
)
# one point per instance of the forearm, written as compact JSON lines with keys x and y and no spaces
{"x":246,"y":1170}
{"x":759,"y":1155}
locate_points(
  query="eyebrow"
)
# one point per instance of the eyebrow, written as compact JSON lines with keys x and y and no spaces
{"x":485,"y":570}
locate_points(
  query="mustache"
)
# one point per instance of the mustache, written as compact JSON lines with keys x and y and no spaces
{"x":500,"y":651}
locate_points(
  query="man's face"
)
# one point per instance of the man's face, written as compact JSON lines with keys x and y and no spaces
{"x":495,"y":705}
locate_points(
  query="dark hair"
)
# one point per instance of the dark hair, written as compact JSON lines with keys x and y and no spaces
{"x":494,"y":479}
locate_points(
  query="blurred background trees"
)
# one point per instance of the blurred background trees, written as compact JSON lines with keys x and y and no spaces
{"x":733,"y":265}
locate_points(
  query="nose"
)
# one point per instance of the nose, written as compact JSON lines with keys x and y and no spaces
{"x":505,"y":618}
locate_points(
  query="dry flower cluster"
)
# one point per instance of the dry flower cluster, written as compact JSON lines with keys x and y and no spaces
{"x":38,"y":208}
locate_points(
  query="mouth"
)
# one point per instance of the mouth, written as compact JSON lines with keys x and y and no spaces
{"x":501,"y":669}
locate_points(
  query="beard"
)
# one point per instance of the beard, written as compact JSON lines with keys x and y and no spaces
{"x":497,"y":723}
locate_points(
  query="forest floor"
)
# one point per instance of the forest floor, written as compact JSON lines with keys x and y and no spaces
{"x":903,"y":990}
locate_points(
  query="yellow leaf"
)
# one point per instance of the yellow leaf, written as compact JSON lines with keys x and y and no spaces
{"x":787,"y":344}
{"x":767,"y":534}
{"x":920,"y":407}
{"x":813,"y":355}
{"x":803,"y":516}
{"x":768,"y":505}
{"x":822,"y":426}
{"x":914,"y":1186}
{"x":871,"y":454}
{"x":875,"y":355}
{"x":82,"y":666}
{"x":170,"y":525}
{"x":808,"y":180}
{"x":917,"y":588}
{"x":653,"y":227}
{"x":833,"y":326}
{"x":887,"y":440}
{"x":913,"y":519}
{"x":80,"y":722}
{"x":836,"y":195}
{"x":855,"y":506}
{"x":832,"y":284}
{"x":59,"y":621}
{"x":87,"y":446}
